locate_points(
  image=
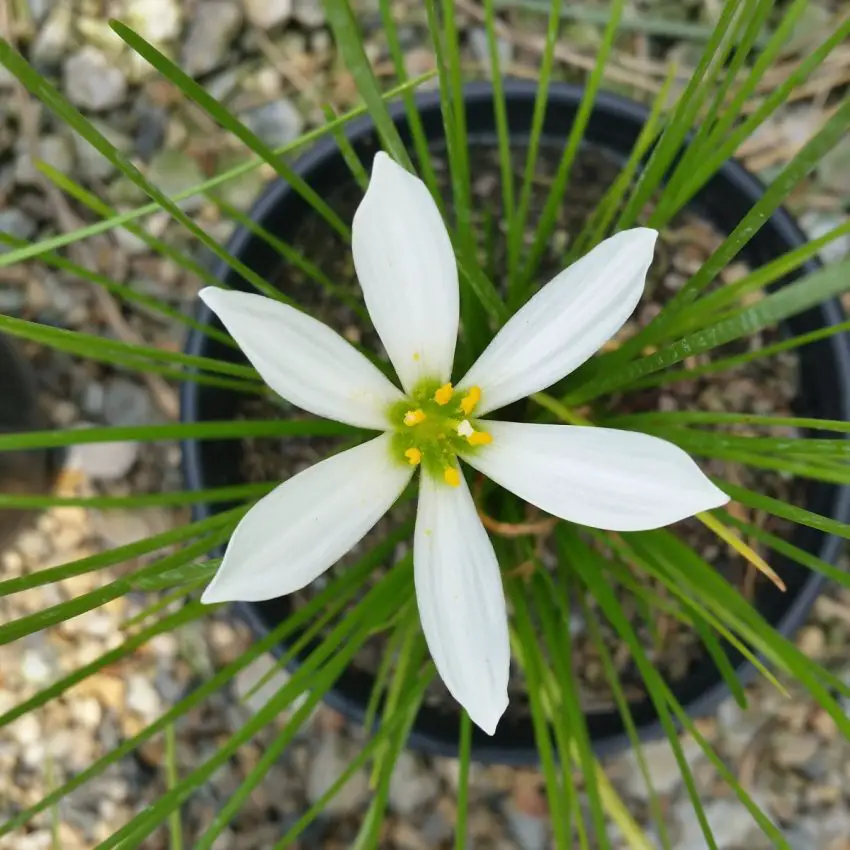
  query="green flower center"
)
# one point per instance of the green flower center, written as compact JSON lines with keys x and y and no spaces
{"x":433,"y":426}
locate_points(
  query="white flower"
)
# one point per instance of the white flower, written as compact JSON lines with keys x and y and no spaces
{"x":600,"y":477}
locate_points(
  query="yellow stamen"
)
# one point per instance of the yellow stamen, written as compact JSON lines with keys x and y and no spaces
{"x":414,"y":457}
{"x":444,"y":394}
{"x":479,"y":438}
{"x":468,"y":402}
{"x":414,"y":417}
{"x":451,"y":476}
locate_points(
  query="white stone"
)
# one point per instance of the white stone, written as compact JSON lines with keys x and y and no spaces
{"x":729,"y":821}
{"x":154,"y":20}
{"x":93,"y":82}
{"x":412,"y":786}
{"x":662,"y":766}
{"x":329,"y":762}
{"x":142,"y":697}
{"x":210,"y":34}
{"x":103,"y":461}
{"x":267,"y":13}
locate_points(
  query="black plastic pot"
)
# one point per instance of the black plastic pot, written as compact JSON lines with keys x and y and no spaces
{"x":614,"y":125}
{"x":24,"y":473}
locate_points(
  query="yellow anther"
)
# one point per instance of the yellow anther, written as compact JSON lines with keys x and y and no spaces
{"x":414,"y":457}
{"x":479,"y":438}
{"x":451,"y":476}
{"x":468,"y":402}
{"x":444,"y":394}
{"x":413,"y":417}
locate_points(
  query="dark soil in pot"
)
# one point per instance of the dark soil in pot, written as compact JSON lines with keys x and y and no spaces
{"x":812,"y":384}
{"x":21,"y":472}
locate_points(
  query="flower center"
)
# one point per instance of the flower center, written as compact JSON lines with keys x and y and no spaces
{"x":434,"y":425}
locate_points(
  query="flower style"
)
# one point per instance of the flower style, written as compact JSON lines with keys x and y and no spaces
{"x":600,"y":477}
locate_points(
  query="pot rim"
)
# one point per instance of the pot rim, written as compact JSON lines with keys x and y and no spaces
{"x":743,"y":182}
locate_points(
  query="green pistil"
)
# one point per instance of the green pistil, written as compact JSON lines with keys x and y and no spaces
{"x":436,"y":436}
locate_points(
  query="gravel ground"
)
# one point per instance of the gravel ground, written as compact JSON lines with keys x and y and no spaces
{"x":271,"y":61}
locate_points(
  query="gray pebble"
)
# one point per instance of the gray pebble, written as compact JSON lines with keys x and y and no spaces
{"x":412,"y":785}
{"x":126,"y":403}
{"x":729,"y":821}
{"x":211,"y":32}
{"x":276,"y":123}
{"x":309,"y":13}
{"x":174,"y":171}
{"x":104,"y":461}
{"x":329,"y":762}
{"x":16,"y":223}
{"x":481,"y":49}
{"x":530,"y":832}
{"x":155,"y":20}
{"x":92,"y":81}
{"x":151,"y":127}
{"x":51,"y":42}
{"x":267,"y":13}
{"x":92,"y":164}
{"x":142,"y":697}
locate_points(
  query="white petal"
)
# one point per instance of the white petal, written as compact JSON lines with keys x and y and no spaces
{"x":303,"y":360}
{"x":461,"y":601}
{"x":601,"y":477}
{"x":301,"y":528}
{"x":565,"y":322}
{"x":406,"y":266}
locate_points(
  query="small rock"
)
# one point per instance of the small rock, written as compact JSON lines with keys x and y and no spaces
{"x":174,"y":171}
{"x":662,"y":766}
{"x":118,"y":527}
{"x":728,"y":820}
{"x":54,"y":35}
{"x":93,"y":82}
{"x":243,"y":191}
{"x":155,"y":20}
{"x":211,"y":32}
{"x":39,"y":9}
{"x":250,"y":676}
{"x":35,"y":667}
{"x":109,"y":691}
{"x":86,"y":712}
{"x":309,"y":13}
{"x":17,"y":224}
{"x":55,"y":150}
{"x":276,"y":123}
{"x":481,"y":49}
{"x":103,"y":461}
{"x":13,"y":299}
{"x":126,"y":403}
{"x":267,"y":13}
{"x":151,"y":127}
{"x":33,"y":545}
{"x":329,"y":762}
{"x":811,"y":641}
{"x":738,"y":726}
{"x":816,"y":224}
{"x":834,"y":168}
{"x":530,"y":832}
{"x":92,"y":164}
{"x":791,"y":750}
{"x":142,"y":697}
{"x":412,"y":786}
